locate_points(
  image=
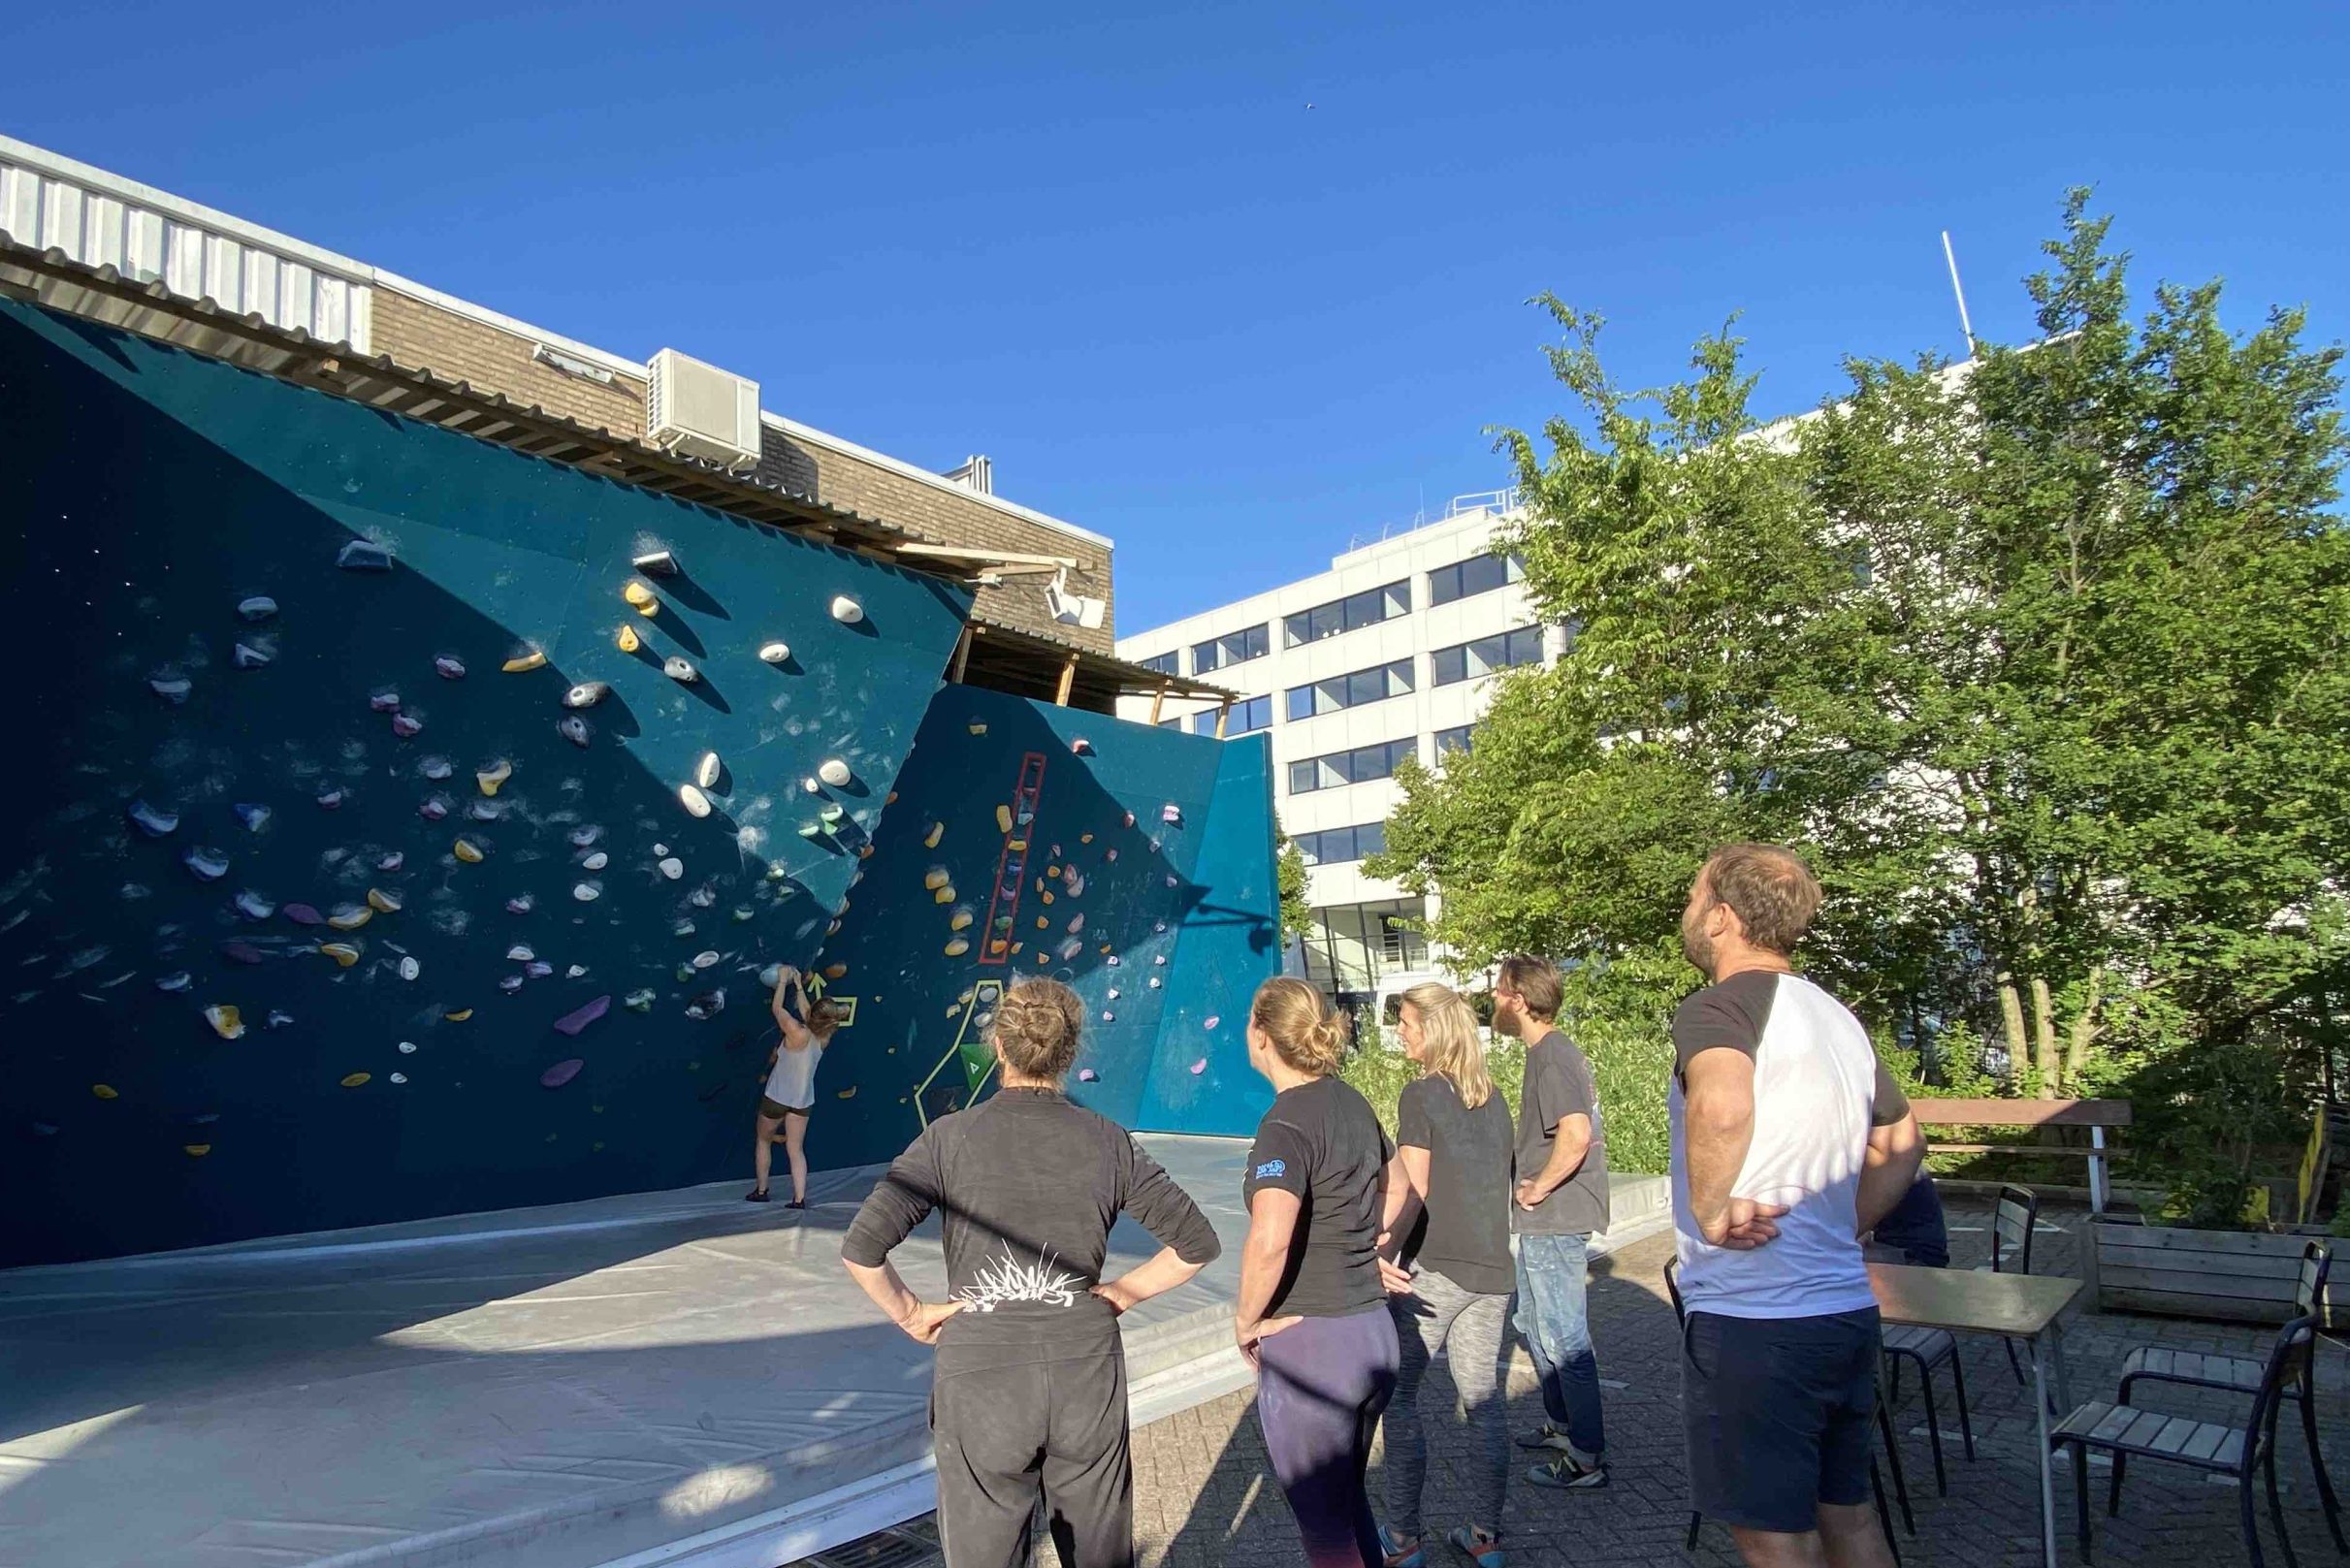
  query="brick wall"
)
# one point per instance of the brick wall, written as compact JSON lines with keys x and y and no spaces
{"x":418,"y":333}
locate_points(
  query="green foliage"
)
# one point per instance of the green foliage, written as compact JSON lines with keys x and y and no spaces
{"x":1290,"y":871}
{"x":2038,"y":660}
{"x":1379,"y":1076}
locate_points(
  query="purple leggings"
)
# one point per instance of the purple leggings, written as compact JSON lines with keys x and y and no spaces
{"x":1321,"y":1387}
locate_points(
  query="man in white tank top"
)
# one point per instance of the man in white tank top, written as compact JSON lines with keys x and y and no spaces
{"x":1789,"y":1141}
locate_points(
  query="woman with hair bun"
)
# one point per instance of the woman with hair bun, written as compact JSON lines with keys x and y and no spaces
{"x":1312,"y":1315}
{"x":1030,"y":1385}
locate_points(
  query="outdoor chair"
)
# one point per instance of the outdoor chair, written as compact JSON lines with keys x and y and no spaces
{"x":2013,"y":1221}
{"x":2212,"y":1447}
{"x":1885,"y":1427}
{"x":2241,"y":1374}
{"x":1930,"y":1348}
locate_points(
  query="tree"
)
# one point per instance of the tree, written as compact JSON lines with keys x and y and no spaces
{"x":2038,"y":658}
{"x":1290,"y":873}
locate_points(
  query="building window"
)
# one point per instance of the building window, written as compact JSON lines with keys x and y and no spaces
{"x":1455,"y":739}
{"x":1364,"y":609}
{"x":1233,"y":648}
{"x":1479,"y":574}
{"x":1482,"y":655}
{"x":1362,"y":765}
{"x":1375,"y":685}
{"x":1335,"y":845}
{"x":1352,"y":947}
{"x":1174,"y":724}
{"x":1164,"y":664}
{"x":1248,"y":715}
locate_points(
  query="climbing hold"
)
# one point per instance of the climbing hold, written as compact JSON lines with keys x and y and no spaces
{"x":935,"y":878}
{"x":1074,"y":883}
{"x":510,"y":985}
{"x":437,"y":768}
{"x":744,"y":913}
{"x":705,"y":959}
{"x":960,"y":919}
{"x":242,"y":953}
{"x":104,"y":1091}
{"x":1068,"y":949}
{"x":409,"y":967}
{"x":302,"y":914}
{"x":458,"y":1016}
{"x":397,"y":1078}
{"x":586,"y":694}
{"x":277,"y":1019}
{"x":254,"y":905}
{"x":833,"y":811}
{"x":449,"y":667}
{"x":522,"y":663}
{"x":195,"y":1151}
{"x":364,"y":555}
{"x":406,"y":726}
{"x":646,"y":601}
{"x":493,"y":775}
{"x":979,"y":729}
{"x":849,"y":1092}
{"x":574,"y":729}
{"x":254,"y":656}
{"x":253,"y":818}
{"x":587,"y":892}
{"x":385,"y":700}
{"x":810,"y":785}
{"x":152,"y":820}
{"x":847,"y":610}
{"x":176,"y":980}
{"x":1084,"y":837}
{"x":709,"y":1004}
{"x":1158,"y":926}
{"x":1210,"y":1021}
{"x":1199,"y":1066}
{"x":226,"y":1021}
{"x":1112,"y":959}
{"x":671,"y":867}
{"x":260,"y":607}
{"x":520,"y":904}
{"x":1053,"y":872}
{"x":1174,"y":880}
{"x":680,"y":669}
{"x":809,"y":830}
{"x":1110,"y":854}
{"x":208,"y":865}
{"x":352,"y":1081}
{"x":485,"y":810}
{"x":656,"y":564}
{"x":707,"y":770}
{"x":890,"y":799}
{"x":834,"y":772}
{"x":382,"y":901}
{"x":1081,"y":746}
{"x":836,"y":972}
{"x":938,"y":831}
{"x":170,"y":685}
{"x":585,"y":834}
{"x":1077,"y":923}
{"x":944,"y":895}
{"x":958,"y":947}
{"x":467,"y":850}
{"x":1154,"y":982}
{"x":775,"y":653}
{"x":1048,"y":898}
{"x":342,"y":952}
{"x":520,"y":953}
{"x":1109,"y":1018}
{"x":691,"y":797}
{"x":1086,"y":1074}
{"x":595,"y":862}
{"x":1042,"y":923}
{"x":329,"y":800}
{"x":627,"y":640}
{"x":538,"y":968}
{"x":573,"y":971}
{"x":1002,"y":818}
{"x":1172,"y":815}
{"x":638,"y":1001}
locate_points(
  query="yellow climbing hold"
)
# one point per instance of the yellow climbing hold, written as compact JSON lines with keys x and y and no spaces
{"x":495,"y":774}
{"x":628,"y":641}
{"x":383,"y":903}
{"x":352,"y":918}
{"x":104,"y":1091}
{"x":458,"y":1016}
{"x":849,"y":1092}
{"x":226,"y":1021}
{"x":465,"y":851}
{"x":647,"y":601}
{"x":935,"y":878}
{"x":956,"y":949}
{"x":342,"y":952}
{"x":522,"y":664}
{"x":960,"y":919}
{"x":1048,"y":898}
{"x":979,"y":729}
{"x":1019,"y":845}
{"x":196,"y":1150}
{"x":938,"y":831}
{"x":352,"y":1081}
{"x":944,"y":895}
{"x":1084,"y":837}
{"x":1002,"y":818}
{"x":1042,"y":922}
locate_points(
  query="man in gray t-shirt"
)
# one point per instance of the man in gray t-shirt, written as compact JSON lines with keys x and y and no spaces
{"x":1561,"y":1201}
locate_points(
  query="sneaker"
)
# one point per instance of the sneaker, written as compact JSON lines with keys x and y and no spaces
{"x":1483,"y":1551}
{"x":1396,"y":1556}
{"x":798,"y":1202}
{"x":758,"y":1195}
{"x":1547,"y":1437}
{"x":1566,"y":1473}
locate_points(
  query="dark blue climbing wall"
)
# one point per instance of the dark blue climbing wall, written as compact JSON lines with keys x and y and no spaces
{"x":1134,"y":863}
{"x":150,"y":494}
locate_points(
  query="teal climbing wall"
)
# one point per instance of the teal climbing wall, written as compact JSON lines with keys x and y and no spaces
{"x":151,"y":494}
{"x":1134,"y":863}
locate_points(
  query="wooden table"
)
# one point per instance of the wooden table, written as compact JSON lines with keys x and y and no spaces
{"x":2018,"y":1306}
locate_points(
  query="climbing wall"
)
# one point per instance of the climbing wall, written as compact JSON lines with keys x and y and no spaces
{"x":399,"y":826}
{"x":1134,"y":863}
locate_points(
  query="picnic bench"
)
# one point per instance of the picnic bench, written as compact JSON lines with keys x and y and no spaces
{"x":2096,"y":1115}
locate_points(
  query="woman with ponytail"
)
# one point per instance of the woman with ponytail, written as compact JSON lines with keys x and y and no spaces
{"x":1312,"y":1314}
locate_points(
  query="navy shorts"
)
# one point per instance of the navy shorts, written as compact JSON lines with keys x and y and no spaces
{"x":1778,"y":1411}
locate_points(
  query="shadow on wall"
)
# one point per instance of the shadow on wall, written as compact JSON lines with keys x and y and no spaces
{"x":1008,"y":854}
{"x":315,"y":796}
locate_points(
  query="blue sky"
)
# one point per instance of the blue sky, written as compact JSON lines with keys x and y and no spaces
{"x":1116,"y":249}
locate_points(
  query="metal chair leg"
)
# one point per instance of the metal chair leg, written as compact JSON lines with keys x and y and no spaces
{"x":1958,"y":1386}
{"x":2080,"y":1495}
{"x":1892,"y":1459}
{"x":2317,"y":1462}
{"x":2122,"y":1462}
{"x":1695,"y":1519}
{"x":2015,"y":1362}
{"x":2277,"y":1507}
{"x":2243,"y":1502}
{"x":1885,"y":1519}
{"x":1926,"y":1390}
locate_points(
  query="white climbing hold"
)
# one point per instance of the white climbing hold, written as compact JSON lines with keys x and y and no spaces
{"x":775,"y":653}
{"x":671,"y":867}
{"x":260,"y":607}
{"x":407,"y":1047}
{"x":677,"y":667}
{"x":656,"y":564}
{"x":252,"y":655}
{"x":364,"y":555}
{"x":587,"y":892}
{"x":409,"y":969}
{"x":706,"y":771}
{"x":834,"y":772}
{"x":400,"y":1077}
{"x":586,"y":694}
{"x":170,"y":685}
{"x":696,"y":803}
{"x":847,"y":610}
{"x":596,"y":861}
{"x":705,"y":959}
{"x":574,"y":729}
{"x":1082,"y":747}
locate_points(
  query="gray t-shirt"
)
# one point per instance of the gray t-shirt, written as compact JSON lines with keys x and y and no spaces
{"x":1463,"y":1232}
{"x":1559,"y":1085}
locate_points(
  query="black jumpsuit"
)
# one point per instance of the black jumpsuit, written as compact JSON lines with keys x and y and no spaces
{"x":1031,"y":1378}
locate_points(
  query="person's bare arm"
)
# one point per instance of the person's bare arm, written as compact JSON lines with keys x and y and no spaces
{"x":1406,"y":1190}
{"x":1155,"y":1276}
{"x":1570,"y":1145}
{"x":920,"y":1319}
{"x":1272,"y":1221}
{"x":1895,"y":1151}
{"x":795,"y":1033}
{"x":1717,"y":1087}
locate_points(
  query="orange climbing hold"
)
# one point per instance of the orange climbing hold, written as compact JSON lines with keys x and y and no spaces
{"x":834,"y":972}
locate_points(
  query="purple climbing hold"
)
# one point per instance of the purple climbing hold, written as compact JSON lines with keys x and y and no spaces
{"x":207,"y":865}
{"x":302,"y":914}
{"x":1199,"y":1066}
{"x":385,"y":701}
{"x":538,"y":968}
{"x":406,"y":726}
{"x":253,"y":819}
{"x":449,"y":667}
{"x":520,"y":904}
{"x":329,"y":799}
{"x":571,"y":1023}
{"x":1210,"y":1021}
{"x":153,"y":820}
{"x":1172,"y":815}
{"x":242,"y":953}
{"x":510,"y":985}
{"x":176,"y":980}
{"x":392,"y":861}
{"x":254,"y":905}
{"x":434,"y":808}
{"x":561,"y":1073}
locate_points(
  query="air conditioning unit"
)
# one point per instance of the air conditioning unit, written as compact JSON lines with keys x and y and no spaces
{"x":1073,"y":609}
{"x":698,"y":411}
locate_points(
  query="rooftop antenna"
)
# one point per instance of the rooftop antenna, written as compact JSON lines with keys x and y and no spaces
{"x":1964,"y":325}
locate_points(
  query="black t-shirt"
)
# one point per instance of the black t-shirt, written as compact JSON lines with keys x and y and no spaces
{"x":1463,"y":1232}
{"x":1322,"y":1142}
{"x":1559,"y":1085}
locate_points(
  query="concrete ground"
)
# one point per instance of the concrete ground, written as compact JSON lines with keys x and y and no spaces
{"x":1203,"y":1495}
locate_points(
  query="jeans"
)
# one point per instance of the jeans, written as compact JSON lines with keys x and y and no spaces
{"x":1436,"y":1314}
{"x":1556,"y":1323}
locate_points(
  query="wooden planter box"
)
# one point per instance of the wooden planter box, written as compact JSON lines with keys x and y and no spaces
{"x":2240,"y":1276}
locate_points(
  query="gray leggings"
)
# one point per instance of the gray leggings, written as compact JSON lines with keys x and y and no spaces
{"x":1436,"y":1314}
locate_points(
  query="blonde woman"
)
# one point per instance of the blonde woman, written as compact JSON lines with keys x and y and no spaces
{"x":788,"y":1098}
{"x":1030,"y":1386}
{"x":1312,"y":1314}
{"x":1448,"y":1198}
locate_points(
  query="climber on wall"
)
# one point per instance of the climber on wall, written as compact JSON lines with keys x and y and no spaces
{"x":790,"y":1091}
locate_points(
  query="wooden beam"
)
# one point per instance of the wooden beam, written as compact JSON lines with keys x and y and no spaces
{"x":1223,"y":717}
{"x":1158,"y":701}
{"x":2022,"y":1112}
{"x":962,"y":655}
{"x":1069,"y":678}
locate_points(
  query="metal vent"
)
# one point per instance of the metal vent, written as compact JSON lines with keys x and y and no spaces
{"x":885,"y":1549}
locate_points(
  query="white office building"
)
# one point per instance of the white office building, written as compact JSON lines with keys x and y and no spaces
{"x":1385,"y":655}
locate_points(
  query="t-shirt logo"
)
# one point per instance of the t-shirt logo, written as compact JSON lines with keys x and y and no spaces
{"x":1272,"y":1167}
